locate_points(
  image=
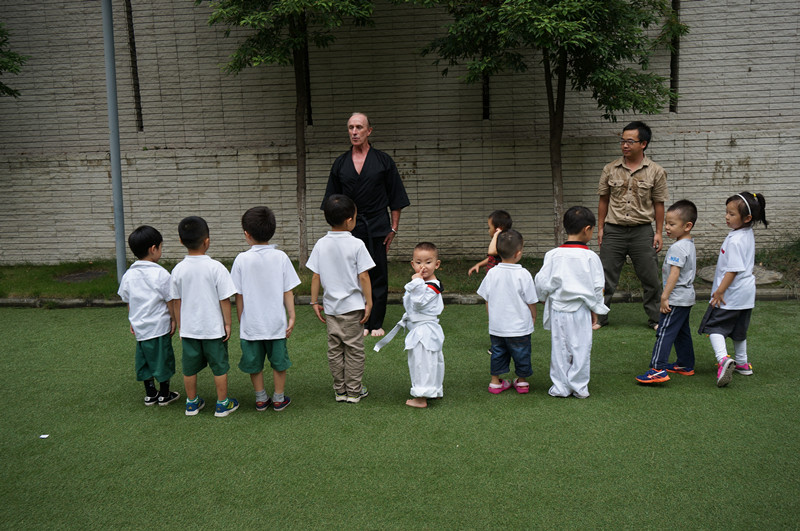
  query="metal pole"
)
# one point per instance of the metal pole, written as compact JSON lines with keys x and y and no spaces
{"x":113,"y":134}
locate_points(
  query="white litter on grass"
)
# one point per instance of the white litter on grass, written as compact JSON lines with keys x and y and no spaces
{"x":44,"y":436}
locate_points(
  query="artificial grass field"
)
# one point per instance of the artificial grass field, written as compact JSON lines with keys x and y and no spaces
{"x":684,"y":454}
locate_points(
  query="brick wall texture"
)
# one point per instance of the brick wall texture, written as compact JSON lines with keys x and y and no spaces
{"x":214,"y":144}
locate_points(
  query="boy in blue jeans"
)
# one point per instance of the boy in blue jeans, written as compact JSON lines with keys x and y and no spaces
{"x":677,"y":298}
{"x":511,"y":302}
{"x":202,"y":290}
{"x":341,"y":265}
{"x":264,"y":279}
{"x":145,"y":287}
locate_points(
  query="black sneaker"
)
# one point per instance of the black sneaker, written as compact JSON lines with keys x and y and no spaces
{"x":170,"y":398}
{"x":151,"y":400}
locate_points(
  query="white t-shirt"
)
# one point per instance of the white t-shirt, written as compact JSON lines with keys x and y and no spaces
{"x":146,"y":289}
{"x":737,"y":254}
{"x":338,"y":258}
{"x":508,"y":289}
{"x":201,"y":283}
{"x":681,"y":254}
{"x":262,"y":275}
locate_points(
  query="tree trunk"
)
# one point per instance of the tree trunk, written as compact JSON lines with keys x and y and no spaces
{"x":555,"y":105}
{"x":301,"y":93}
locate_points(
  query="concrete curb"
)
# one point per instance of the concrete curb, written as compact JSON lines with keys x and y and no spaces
{"x":762,"y":294}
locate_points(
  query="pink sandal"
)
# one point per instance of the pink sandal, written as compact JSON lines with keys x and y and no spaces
{"x":521,"y":387}
{"x":504,"y":385}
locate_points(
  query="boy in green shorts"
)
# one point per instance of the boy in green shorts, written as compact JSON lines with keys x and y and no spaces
{"x":201,"y":290}
{"x":264,"y":279}
{"x":145,"y":287}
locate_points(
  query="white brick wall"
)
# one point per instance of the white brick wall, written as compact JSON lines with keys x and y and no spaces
{"x":215,"y":144}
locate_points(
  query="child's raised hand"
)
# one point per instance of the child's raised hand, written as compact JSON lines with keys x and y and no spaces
{"x":416,"y":275}
{"x":473,"y":269}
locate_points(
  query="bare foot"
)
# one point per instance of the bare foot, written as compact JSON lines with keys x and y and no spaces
{"x":378,"y":332}
{"x":366,"y":332}
{"x":417,"y":402}
{"x":597,"y":326}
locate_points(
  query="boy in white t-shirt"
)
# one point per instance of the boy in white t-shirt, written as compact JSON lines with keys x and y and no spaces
{"x":571,"y":281}
{"x":511,"y":302}
{"x":264,"y":279}
{"x":145,"y":287}
{"x":202,"y":290}
{"x":341,"y":265}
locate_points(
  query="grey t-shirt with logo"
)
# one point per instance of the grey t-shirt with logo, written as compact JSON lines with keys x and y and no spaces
{"x":681,"y":254}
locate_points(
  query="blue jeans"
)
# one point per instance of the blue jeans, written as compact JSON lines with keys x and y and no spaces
{"x":673,"y":329}
{"x":505,"y":348}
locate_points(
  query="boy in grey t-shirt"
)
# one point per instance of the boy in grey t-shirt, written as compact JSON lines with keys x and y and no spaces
{"x":677,"y":298}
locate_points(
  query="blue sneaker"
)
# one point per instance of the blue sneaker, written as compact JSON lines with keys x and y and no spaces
{"x":194,"y":407}
{"x":677,"y":369}
{"x":223,"y":410}
{"x":280,"y":406}
{"x":653,"y":376}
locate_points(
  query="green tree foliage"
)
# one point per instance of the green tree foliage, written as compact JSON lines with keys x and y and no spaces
{"x":10,"y":62}
{"x":598,"y":46}
{"x":278,"y":32}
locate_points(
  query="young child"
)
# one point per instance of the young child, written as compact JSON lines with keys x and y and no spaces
{"x":145,"y":287}
{"x":498,"y":221}
{"x":511,"y":302}
{"x":677,"y":297}
{"x":571,"y":281}
{"x":264,"y":279}
{"x":733,"y":294}
{"x":341,"y":264}
{"x":423,"y":304}
{"x":201,"y":289}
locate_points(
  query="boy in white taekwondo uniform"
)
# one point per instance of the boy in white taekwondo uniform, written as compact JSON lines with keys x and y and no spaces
{"x":423,"y":304}
{"x":571,"y":281}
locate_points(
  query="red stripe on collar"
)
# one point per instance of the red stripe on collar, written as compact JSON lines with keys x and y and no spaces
{"x":575,"y":245}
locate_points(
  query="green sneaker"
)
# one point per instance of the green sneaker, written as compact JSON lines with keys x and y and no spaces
{"x":356,"y":399}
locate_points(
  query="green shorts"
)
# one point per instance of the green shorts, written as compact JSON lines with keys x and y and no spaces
{"x":254,"y":352}
{"x":197,"y":353}
{"x":155,"y":359}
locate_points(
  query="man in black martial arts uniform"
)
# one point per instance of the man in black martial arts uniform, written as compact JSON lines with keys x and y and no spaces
{"x":370,"y":178}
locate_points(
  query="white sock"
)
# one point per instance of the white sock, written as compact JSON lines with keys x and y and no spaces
{"x":740,"y":349}
{"x":718,"y":344}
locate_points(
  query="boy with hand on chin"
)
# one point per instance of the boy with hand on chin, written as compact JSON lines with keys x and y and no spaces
{"x":571,"y":281}
{"x":341,"y":263}
{"x":423,"y":304}
{"x":202,"y":290}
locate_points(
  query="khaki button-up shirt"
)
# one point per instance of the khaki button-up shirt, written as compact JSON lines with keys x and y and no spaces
{"x":633,"y":192}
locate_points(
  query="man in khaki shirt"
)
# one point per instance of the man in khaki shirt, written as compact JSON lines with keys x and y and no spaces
{"x":632,"y":193}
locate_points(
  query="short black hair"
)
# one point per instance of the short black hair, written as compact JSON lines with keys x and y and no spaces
{"x":259,"y":222}
{"x":501,"y":219}
{"x":192,"y":231}
{"x":508,"y":243}
{"x":142,"y":239}
{"x":645,"y":133}
{"x":338,"y":208}
{"x":577,"y":218}
{"x":427,"y":246}
{"x":685,"y":209}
